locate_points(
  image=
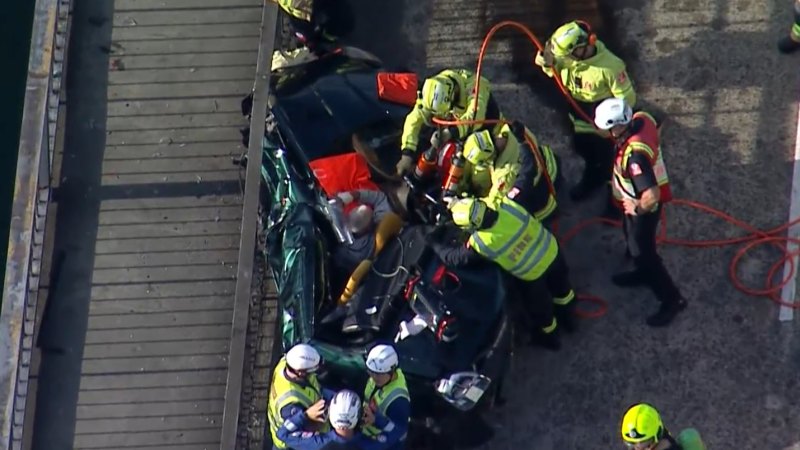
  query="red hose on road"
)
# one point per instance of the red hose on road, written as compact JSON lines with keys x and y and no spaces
{"x":755,"y":237}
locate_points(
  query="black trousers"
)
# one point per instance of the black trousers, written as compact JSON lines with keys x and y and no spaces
{"x":540,"y":296}
{"x":597,"y":153}
{"x":640,"y":239}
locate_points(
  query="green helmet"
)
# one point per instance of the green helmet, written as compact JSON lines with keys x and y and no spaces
{"x":438,"y":95}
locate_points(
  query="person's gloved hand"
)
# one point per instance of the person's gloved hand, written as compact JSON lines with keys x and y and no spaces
{"x":405,"y":165}
{"x":345,"y":197}
{"x":545,"y":58}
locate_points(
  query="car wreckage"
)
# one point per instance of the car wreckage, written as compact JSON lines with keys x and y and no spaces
{"x":329,"y":108}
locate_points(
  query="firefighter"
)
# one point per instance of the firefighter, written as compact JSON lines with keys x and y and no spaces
{"x":531,"y":190}
{"x":642,"y":429}
{"x":591,"y":73}
{"x":492,"y":165}
{"x":504,"y":164}
{"x":345,"y":415}
{"x":791,"y":41}
{"x":448,"y":95}
{"x":640,"y":186}
{"x":514,"y":240}
{"x":296,"y":392}
{"x":316,"y":22}
{"x":386,"y":393}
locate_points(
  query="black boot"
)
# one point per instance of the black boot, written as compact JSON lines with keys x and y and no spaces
{"x":550,"y":341}
{"x":565,"y":315}
{"x":631,"y":278}
{"x":666,"y":313}
{"x":788,"y":45}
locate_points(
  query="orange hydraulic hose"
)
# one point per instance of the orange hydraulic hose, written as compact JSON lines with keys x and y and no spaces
{"x":753,"y":239}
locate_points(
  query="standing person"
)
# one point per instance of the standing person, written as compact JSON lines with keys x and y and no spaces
{"x":643,"y":429}
{"x":295,"y":391}
{"x":510,"y":237}
{"x":591,"y":73}
{"x":640,"y":185}
{"x":345,"y":415}
{"x":386,"y":393}
{"x":791,"y":41}
{"x":448,"y":95}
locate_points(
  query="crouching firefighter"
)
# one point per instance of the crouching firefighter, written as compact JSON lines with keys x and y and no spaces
{"x":491,"y":168}
{"x":386,"y":393}
{"x":345,"y":415}
{"x":538,"y":179}
{"x":591,"y":73}
{"x":448,"y":95}
{"x":642,"y":429}
{"x":296,"y":393}
{"x":316,"y":22}
{"x":510,"y":237}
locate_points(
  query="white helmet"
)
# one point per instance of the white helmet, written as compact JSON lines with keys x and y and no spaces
{"x":382,"y":359}
{"x":303,"y":357}
{"x":612,"y":111}
{"x":345,"y":410}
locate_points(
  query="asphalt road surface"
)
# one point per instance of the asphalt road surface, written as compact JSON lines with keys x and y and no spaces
{"x":726,"y":366}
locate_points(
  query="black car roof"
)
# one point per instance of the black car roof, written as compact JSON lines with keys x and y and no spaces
{"x":320,"y":105}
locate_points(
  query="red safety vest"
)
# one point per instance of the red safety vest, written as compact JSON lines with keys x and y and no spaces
{"x":646,"y":141}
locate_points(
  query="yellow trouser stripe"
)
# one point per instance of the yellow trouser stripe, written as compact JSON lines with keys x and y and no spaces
{"x":563,"y":301}
{"x":550,"y":328}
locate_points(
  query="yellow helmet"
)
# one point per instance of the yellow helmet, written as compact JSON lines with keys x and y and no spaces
{"x":641,"y":423}
{"x":468,"y":212}
{"x":438,"y":95}
{"x":567,"y":38}
{"x":479,"y":147}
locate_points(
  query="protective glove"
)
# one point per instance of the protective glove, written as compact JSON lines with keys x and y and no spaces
{"x":411,"y":328}
{"x":345,"y":197}
{"x":545,"y":58}
{"x":440,"y":136}
{"x":405,"y":165}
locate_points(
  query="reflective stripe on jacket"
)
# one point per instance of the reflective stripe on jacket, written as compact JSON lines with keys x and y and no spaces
{"x":300,"y":9}
{"x":516,"y":242}
{"x":285,"y":392}
{"x":644,"y":140}
{"x":380,"y":398}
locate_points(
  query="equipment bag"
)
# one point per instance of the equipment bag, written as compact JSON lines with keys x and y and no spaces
{"x":398,"y":87}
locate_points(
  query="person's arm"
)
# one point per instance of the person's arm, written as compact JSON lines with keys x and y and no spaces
{"x":621,"y":86}
{"x":644,"y":181}
{"x":389,"y":436}
{"x":455,"y":255}
{"x":304,"y":440}
{"x":399,"y":412}
{"x":411,"y":128}
{"x":503,"y":179}
{"x":380,"y":204}
{"x":477,"y":104}
{"x":294,"y":423}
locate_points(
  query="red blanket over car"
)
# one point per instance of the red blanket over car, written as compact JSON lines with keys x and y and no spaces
{"x":347,"y":172}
